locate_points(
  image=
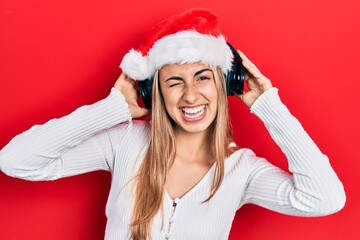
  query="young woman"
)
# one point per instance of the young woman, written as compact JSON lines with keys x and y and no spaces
{"x":180,"y":176}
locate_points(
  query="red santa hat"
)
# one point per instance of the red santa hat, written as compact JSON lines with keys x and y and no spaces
{"x":191,"y":36}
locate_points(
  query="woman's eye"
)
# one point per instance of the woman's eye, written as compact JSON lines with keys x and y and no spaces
{"x":174,"y":84}
{"x":202,"y":78}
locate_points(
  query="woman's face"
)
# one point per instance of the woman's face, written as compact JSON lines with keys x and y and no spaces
{"x":190,"y":95}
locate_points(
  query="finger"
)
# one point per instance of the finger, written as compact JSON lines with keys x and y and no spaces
{"x":250,"y":67}
{"x":142,"y":112}
{"x":133,"y":82}
{"x":130,"y":80}
{"x":246,"y":59}
{"x":254,"y":72}
{"x":247,"y":76}
{"x":122,"y":77}
{"x":146,"y":111}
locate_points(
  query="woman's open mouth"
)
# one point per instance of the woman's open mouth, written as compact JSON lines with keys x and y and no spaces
{"x":193,"y":114}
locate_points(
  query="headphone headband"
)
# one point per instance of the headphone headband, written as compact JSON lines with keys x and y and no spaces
{"x":234,"y":79}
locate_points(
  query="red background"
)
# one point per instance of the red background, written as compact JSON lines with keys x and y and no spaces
{"x":58,"y":55}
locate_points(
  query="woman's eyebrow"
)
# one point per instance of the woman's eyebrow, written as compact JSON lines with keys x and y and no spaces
{"x":196,"y":74}
{"x":174,"y":78}
{"x":201,"y":71}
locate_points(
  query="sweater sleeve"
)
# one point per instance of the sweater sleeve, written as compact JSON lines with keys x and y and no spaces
{"x":74,"y":144}
{"x":313,"y":188}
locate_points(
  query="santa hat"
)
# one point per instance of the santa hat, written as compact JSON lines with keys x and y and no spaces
{"x":191,"y":36}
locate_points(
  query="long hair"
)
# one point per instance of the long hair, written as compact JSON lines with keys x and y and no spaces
{"x":150,"y":180}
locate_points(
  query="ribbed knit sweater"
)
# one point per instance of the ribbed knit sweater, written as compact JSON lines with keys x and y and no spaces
{"x":102,"y":136}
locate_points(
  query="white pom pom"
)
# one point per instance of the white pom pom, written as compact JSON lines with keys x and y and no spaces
{"x":135,"y":66}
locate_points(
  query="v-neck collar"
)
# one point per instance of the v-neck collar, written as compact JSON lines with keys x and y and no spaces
{"x":206,"y":178}
{"x":198,"y":185}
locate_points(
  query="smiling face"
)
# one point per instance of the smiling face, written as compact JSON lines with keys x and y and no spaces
{"x":190,"y":95}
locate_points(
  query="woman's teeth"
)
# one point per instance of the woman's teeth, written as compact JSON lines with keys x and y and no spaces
{"x":194,"y":112}
{"x":193,"y":109}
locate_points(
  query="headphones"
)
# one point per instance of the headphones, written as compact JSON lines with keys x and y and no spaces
{"x":234,"y":80}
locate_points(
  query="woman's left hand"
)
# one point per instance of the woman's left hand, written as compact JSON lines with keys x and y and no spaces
{"x":256,"y":82}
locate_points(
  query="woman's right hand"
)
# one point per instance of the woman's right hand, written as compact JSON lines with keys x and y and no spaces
{"x":127,"y":87}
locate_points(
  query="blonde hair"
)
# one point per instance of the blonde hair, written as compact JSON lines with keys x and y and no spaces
{"x":150,"y":181}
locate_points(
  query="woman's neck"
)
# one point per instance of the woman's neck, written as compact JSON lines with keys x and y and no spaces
{"x":192,"y":147}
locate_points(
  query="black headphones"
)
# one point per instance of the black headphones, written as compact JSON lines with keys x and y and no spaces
{"x":234,"y":80}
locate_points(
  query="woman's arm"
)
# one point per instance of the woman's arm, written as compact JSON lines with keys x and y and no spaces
{"x":313,"y":189}
{"x":74,"y":144}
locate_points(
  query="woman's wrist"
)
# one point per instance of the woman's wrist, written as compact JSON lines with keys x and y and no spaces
{"x":266,"y":101}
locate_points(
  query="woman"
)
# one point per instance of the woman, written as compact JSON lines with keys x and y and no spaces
{"x":180,"y":176}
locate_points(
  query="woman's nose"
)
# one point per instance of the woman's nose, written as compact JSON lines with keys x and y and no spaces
{"x":191,"y":94}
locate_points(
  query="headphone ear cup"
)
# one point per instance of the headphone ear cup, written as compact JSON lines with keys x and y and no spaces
{"x":240,"y":77}
{"x":236,"y":75}
{"x":145,"y":91}
{"x":230,"y":80}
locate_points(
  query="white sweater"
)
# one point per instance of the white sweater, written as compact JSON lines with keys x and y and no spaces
{"x":103,"y":136}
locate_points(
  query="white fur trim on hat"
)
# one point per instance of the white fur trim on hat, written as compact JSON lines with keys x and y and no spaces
{"x":181,"y":47}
